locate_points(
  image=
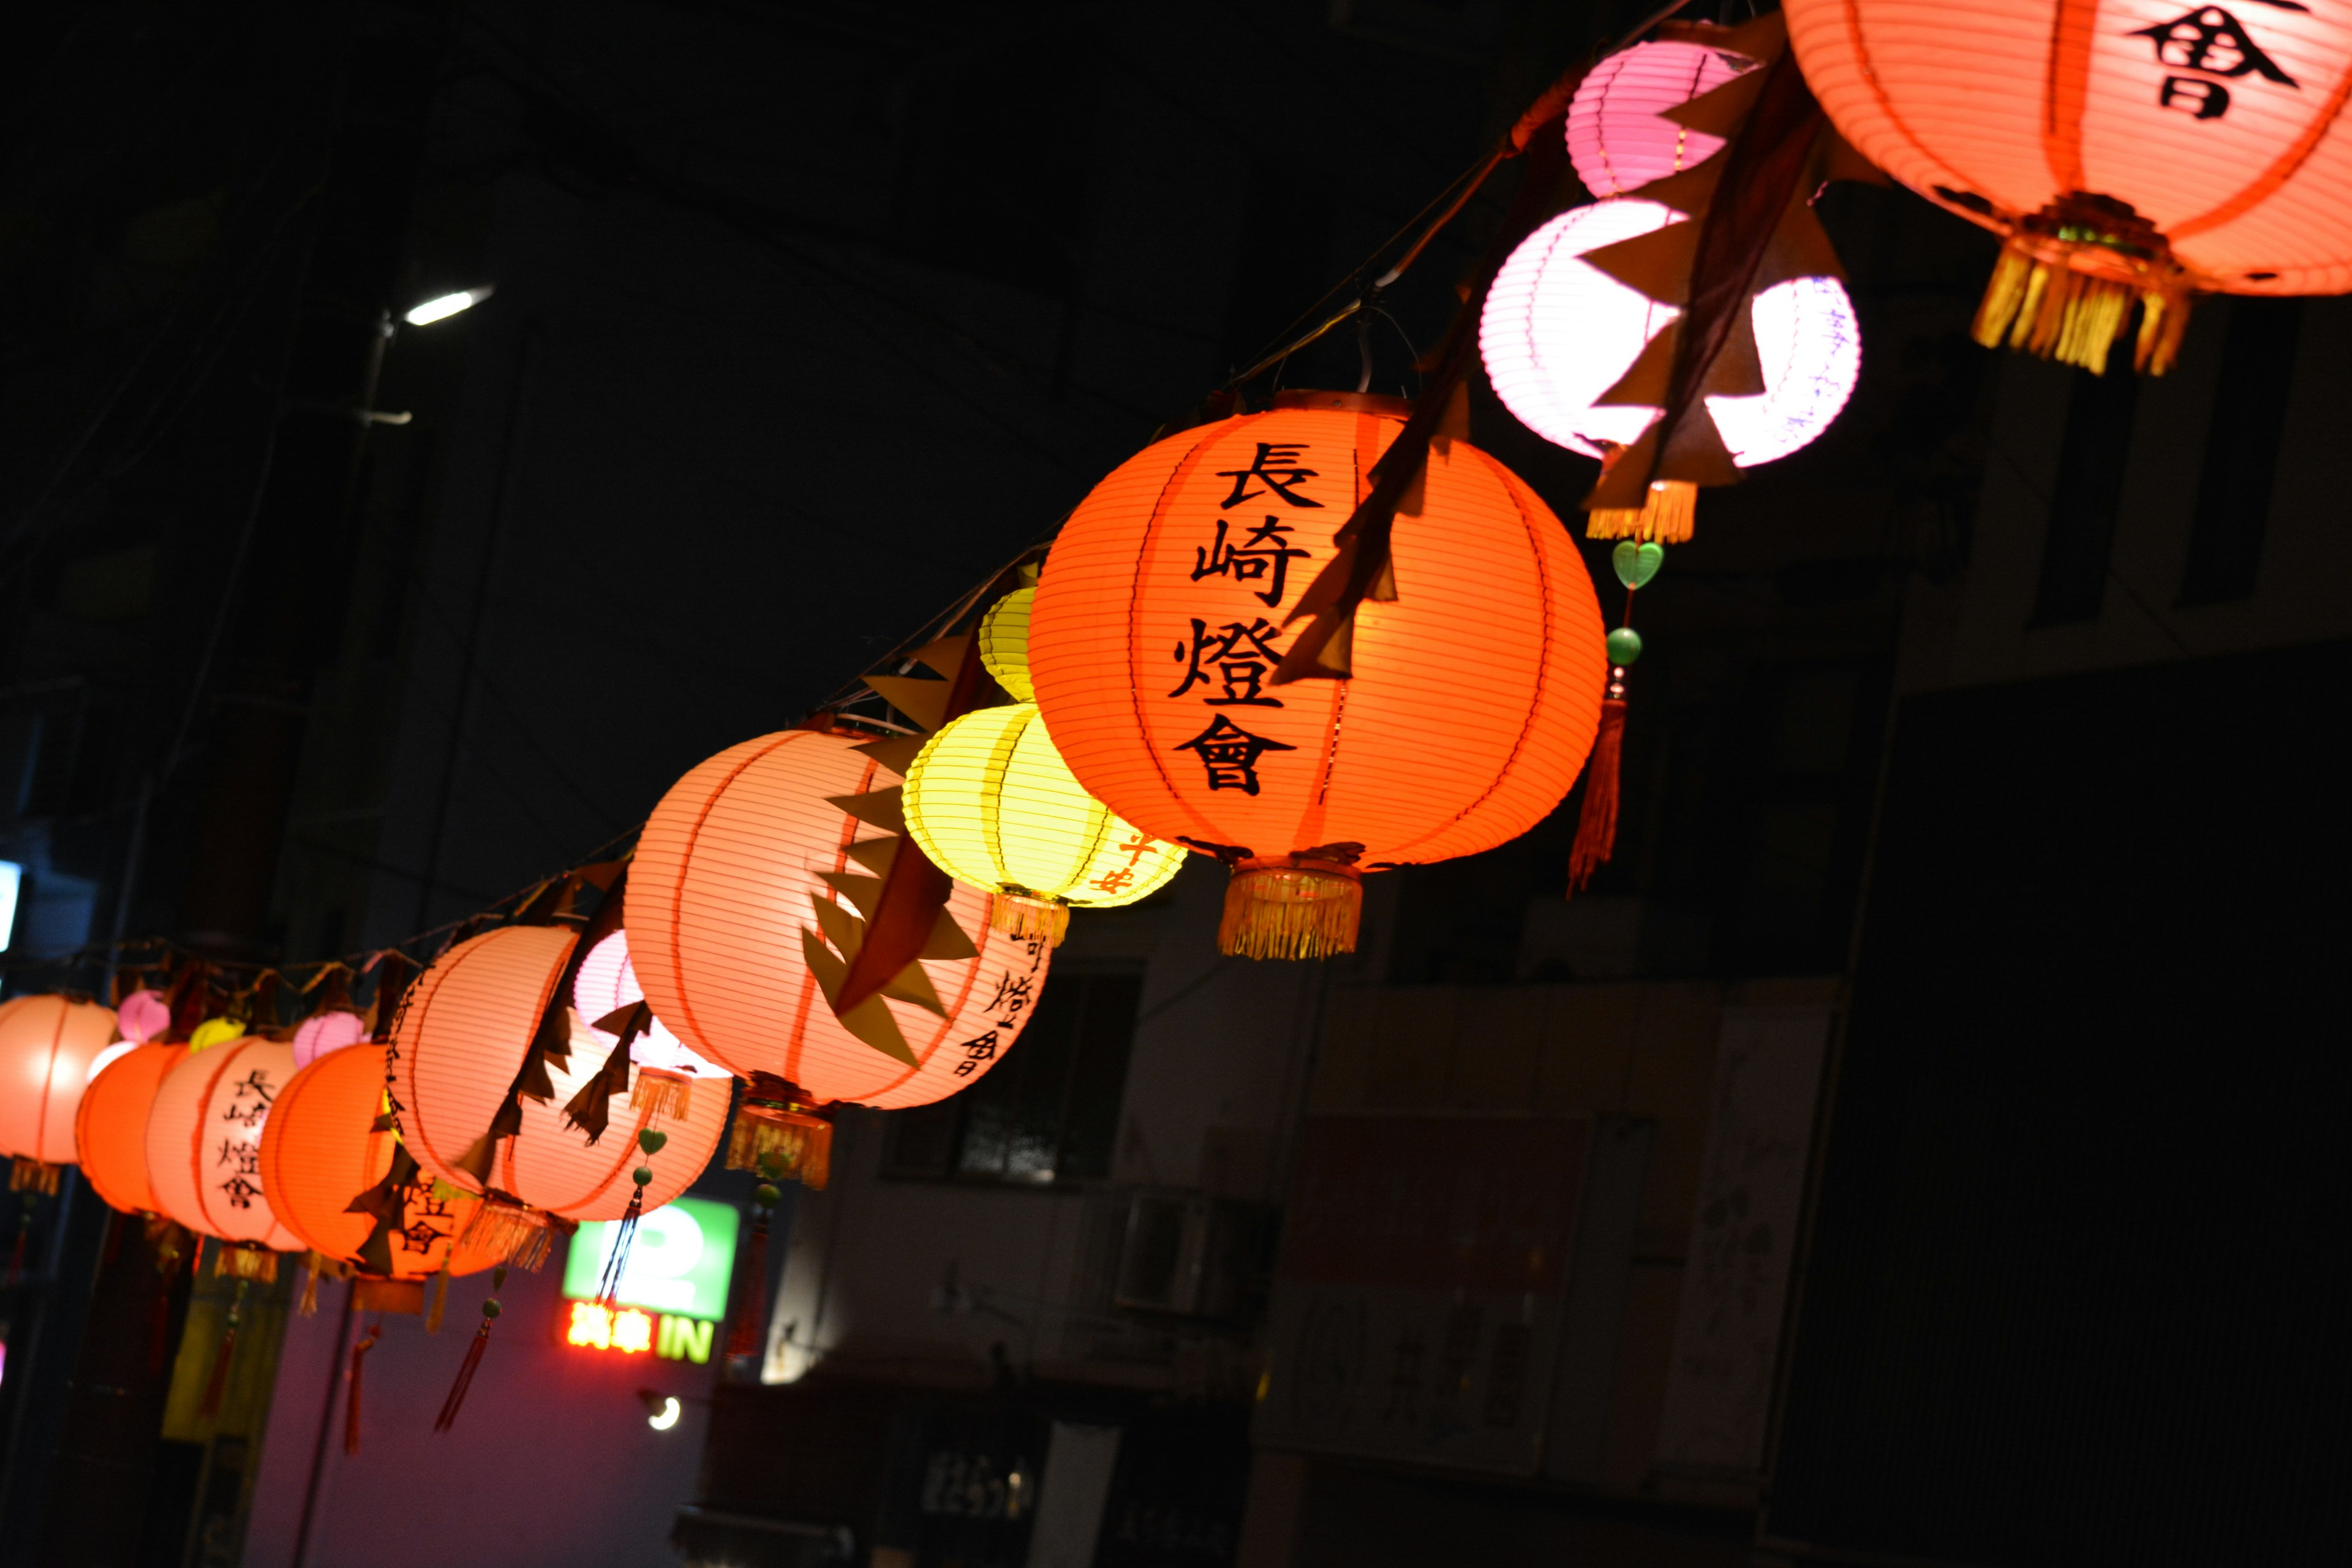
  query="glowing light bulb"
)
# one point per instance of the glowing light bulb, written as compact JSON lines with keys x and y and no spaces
{"x":671,"y":1411}
{"x":443,"y":307}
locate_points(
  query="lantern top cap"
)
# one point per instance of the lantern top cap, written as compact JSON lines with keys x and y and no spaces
{"x":1346,"y":402}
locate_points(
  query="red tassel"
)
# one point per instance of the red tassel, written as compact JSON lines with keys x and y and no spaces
{"x":1596,"y":825}
{"x":217,"y":1384}
{"x":748,"y":1334}
{"x":352,"y":1399}
{"x":457,"y":1400}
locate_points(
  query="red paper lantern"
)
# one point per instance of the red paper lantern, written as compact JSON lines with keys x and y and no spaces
{"x":465,"y":1028}
{"x":204,"y":1141}
{"x":1159,"y":622}
{"x":1616,"y":137}
{"x":321,"y":1149}
{"x":739,"y":866}
{"x":2130,"y":149}
{"x":48,"y":1046}
{"x":110,"y":1125}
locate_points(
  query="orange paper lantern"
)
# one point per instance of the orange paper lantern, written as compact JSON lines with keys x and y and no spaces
{"x":2146,"y":148}
{"x":110,"y":1125}
{"x":724,"y":905}
{"x":319,"y":1150}
{"x":1160,"y":620}
{"x":465,"y":1028}
{"x":48,"y":1045}
{"x":204,"y":1141}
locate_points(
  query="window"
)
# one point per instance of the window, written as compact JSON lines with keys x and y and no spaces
{"x":2242,"y":445}
{"x":1048,"y":1113}
{"x":2085,"y":500}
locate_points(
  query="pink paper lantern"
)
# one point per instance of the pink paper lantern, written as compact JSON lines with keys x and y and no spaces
{"x":1557,"y":334}
{"x":144,"y":1017}
{"x":1616,"y":138}
{"x":607,"y":982}
{"x":324,"y":1032}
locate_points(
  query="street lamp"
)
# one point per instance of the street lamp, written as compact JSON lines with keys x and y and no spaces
{"x":443,"y":306}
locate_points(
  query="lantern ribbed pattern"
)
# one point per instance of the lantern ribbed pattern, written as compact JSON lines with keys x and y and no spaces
{"x":110,"y":1125}
{"x":992,"y":801}
{"x":2223,"y":128}
{"x":320,"y":1033}
{"x":46,"y":1047}
{"x":720,"y":894}
{"x":465,"y":1025}
{"x":1557,"y":333}
{"x":1004,"y":642}
{"x":464,"y":1028}
{"x":1616,"y":137}
{"x":204,"y":1141}
{"x":1475,"y":692}
{"x":319,"y":1151}
{"x":554,"y":1166}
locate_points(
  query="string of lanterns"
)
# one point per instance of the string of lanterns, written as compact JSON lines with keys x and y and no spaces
{"x":1311,"y":640}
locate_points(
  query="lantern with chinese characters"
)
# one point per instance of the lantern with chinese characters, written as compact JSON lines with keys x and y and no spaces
{"x":1558,"y":334}
{"x":204,"y":1149}
{"x":110,"y":1125}
{"x":2130,"y":151}
{"x":740,"y":918}
{"x":458,"y":1059}
{"x":48,"y":1048}
{"x":1618,"y":136}
{"x":1160,"y":620}
{"x":328,"y":1161}
{"x":992,"y":801}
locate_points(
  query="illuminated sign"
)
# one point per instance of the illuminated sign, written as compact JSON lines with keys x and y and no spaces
{"x":673,"y":1288}
{"x":12,"y":877}
{"x":679,"y":1264}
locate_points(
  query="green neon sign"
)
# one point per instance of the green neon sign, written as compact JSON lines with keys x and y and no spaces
{"x":679,"y":1266}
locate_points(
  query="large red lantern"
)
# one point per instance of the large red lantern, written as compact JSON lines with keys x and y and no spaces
{"x":48,"y":1046}
{"x":466,"y":1027}
{"x":2126,"y":150}
{"x":324,"y":1146}
{"x":110,"y":1125}
{"x":750,"y":867}
{"x":204,"y":1147}
{"x":1160,"y":620}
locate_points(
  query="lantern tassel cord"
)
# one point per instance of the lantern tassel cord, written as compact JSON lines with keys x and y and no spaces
{"x":466,"y":1368}
{"x":216,"y":1385}
{"x":351,"y":1393}
{"x":1596,"y":822}
{"x":616,"y":1262}
{"x":747,"y":1334}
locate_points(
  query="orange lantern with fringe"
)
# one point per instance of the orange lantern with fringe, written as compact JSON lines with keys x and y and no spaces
{"x":110,"y":1125}
{"x":204,"y":1149}
{"x":462,"y":1045}
{"x":48,"y":1046}
{"x":1166,"y":609}
{"x":325,"y":1149}
{"x":742,"y":914}
{"x":2128,"y":152}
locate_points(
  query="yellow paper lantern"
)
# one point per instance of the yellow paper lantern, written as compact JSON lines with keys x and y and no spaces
{"x":992,"y":803}
{"x":1004,"y":642}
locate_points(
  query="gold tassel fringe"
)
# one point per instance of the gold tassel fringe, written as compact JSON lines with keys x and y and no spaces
{"x":1286,"y":908}
{"x":2037,"y":302}
{"x":514,"y":1233}
{"x":660,"y":1093}
{"x":244,"y":1260}
{"x":440,"y":1300}
{"x":782,"y":1141}
{"x":34,"y":1176}
{"x":1668,"y":517}
{"x":1025,"y":917}
{"x":406,"y":1297}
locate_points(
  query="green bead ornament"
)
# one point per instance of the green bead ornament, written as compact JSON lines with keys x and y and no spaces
{"x":1624,"y":645}
{"x":767,"y":1195}
{"x":643,"y":1176}
{"x":490,"y":1308}
{"x":1636,"y":563}
{"x":651,"y":1141}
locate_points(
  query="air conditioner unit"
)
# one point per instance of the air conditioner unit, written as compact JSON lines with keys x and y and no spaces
{"x":1190,"y":1255}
